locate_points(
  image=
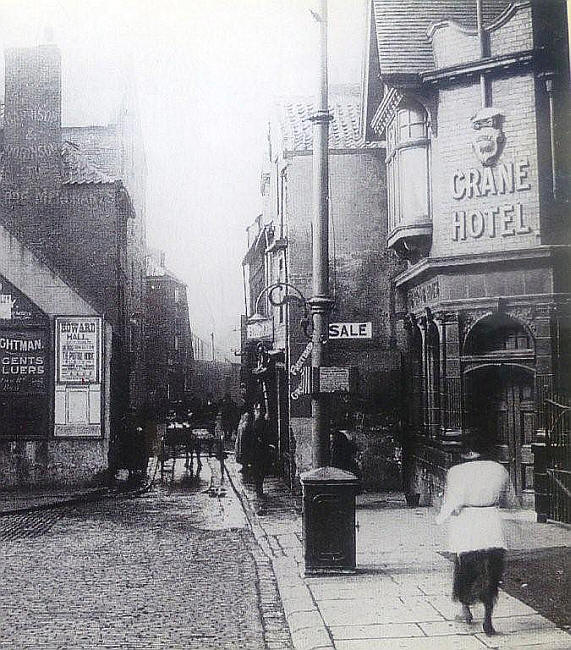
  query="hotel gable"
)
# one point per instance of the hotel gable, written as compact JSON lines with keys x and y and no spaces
{"x":469,"y":98}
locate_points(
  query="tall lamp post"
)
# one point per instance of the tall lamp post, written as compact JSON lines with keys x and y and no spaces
{"x":328,"y":493}
{"x":321,"y":302}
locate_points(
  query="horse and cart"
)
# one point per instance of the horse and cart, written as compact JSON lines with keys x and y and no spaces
{"x":188,"y":438}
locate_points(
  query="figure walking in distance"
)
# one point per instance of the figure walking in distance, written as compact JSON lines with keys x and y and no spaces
{"x":261,"y":449}
{"x":244,"y":435}
{"x":471,"y":499}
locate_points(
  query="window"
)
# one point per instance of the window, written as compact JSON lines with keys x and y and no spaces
{"x":407,"y":167}
{"x":417,"y":378}
{"x":433,"y":377}
{"x":498,"y":335}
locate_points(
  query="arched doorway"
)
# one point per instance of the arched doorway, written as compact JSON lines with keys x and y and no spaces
{"x":499,"y":392}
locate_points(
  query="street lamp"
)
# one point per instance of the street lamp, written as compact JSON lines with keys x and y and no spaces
{"x":328,"y":493}
{"x":321,"y":302}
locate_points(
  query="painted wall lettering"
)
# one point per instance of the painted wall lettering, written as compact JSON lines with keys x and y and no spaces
{"x":424,"y":294}
{"x":503,"y":220}
{"x":23,"y":362}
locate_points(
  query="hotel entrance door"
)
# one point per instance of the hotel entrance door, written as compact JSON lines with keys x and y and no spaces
{"x":500,"y":398}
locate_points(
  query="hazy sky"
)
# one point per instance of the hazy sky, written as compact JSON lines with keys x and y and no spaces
{"x":206,"y":73}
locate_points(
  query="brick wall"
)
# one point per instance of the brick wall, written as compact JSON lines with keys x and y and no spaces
{"x":453,"y":45}
{"x":515,"y":35}
{"x":516,"y":214}
{"x":92,"y":235}
{"x":360,"y":275}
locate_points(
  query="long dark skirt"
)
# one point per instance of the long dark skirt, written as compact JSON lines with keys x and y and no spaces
{"x":477,"y":575}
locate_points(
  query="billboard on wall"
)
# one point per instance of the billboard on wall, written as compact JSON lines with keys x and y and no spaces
{"x":78,"y":349}
{"x":23,"y":361}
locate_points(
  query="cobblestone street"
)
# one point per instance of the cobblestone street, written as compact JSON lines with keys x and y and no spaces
{"x":175,"y":568}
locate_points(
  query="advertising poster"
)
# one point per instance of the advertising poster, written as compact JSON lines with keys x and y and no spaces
{"x":23,"y":361}
{"x":78,"y":350}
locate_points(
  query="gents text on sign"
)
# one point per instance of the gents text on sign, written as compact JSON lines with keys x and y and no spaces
{"x":22,"y":361}
{"x":424,"y":294}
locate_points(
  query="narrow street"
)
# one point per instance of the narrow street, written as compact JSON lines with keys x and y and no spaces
{"x":174,"y":568}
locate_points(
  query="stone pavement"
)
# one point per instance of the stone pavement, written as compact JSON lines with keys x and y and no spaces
{"x":400,"y":596}
{"x":176,"y":568}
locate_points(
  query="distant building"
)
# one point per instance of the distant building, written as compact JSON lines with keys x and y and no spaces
{"x":476,"y":126}
{"x":84,"y":223}
{"x":203,"y":350}
{"x":280,"y":249}
{"x":169,"y":351}
{"x":215,"y":379}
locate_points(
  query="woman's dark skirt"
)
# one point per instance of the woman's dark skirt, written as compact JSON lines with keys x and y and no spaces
{"x":477,"y":575}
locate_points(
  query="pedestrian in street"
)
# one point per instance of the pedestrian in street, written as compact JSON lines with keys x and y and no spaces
{"x":344,"y":452}
{"x":471,"y":499}
{"x":244,"y":436}
{"x":261,"y":448}
{"x":228,"y":416}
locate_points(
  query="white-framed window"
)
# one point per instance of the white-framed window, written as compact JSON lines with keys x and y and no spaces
{"x":407,"y":166}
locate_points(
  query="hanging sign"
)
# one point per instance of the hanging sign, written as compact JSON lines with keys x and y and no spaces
{"x":303,"y":357}
{"x":259,"y":327}
{"x":305,"y":387}
{"x":78,"y":350}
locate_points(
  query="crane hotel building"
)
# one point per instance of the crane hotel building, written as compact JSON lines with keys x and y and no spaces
{"x":473,"y":114}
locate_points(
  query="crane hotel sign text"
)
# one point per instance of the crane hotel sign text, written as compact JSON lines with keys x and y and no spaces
{"x":494,"y":200}
{"x":507,"y":181}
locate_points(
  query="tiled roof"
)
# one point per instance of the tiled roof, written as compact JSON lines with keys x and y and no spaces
{"x":402,"y":25}
{"x":78,"y":170}
{"x":296,"y":127}
{"x":99,"y":144}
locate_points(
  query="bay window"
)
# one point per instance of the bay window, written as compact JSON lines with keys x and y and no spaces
{"x":410,"y":225}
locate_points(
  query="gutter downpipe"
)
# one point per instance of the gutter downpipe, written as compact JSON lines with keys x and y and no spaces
{"x":483,"y":53}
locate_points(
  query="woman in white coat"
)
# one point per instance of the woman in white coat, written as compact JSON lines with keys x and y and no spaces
{"x":471,"y":499}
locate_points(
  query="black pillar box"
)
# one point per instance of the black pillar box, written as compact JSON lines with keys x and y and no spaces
{"x":329,"y":520}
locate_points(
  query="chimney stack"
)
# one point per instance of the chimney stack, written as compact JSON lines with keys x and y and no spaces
{"x":32,"y":119}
